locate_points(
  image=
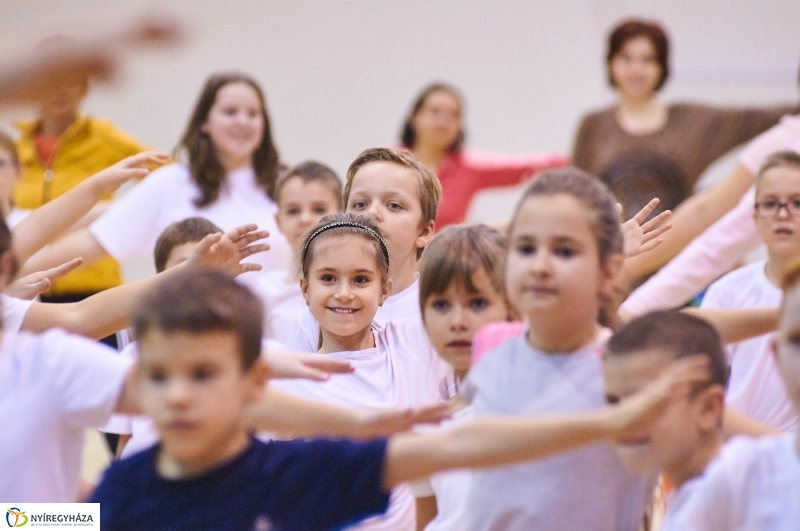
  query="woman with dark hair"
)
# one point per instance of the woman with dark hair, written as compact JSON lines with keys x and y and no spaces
{"x":229,"y":179}
{"x":433,"y":131}
{"x":688,"y":136}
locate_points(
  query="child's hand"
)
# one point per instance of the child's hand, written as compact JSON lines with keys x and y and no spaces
{"x":374,"y":423}
{"x":636,"y":413}
{"x":27,"y":288}
{"x":133,"y":167}
{"x":226,"y":251}
{"x":640,"y":238}
{"x":284,"y":364}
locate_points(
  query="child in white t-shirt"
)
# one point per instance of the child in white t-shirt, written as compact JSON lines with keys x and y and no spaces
{"x":345,"y":279}
{"x":565,"y":251}
{"x":755,"y":387}
{"x":401,"y":196}
{"x":755,"y":483}
{"x":304,"y":195}
{"x":461,"y":289}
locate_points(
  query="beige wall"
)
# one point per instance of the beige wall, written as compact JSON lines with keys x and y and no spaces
{"x":340,"y":74}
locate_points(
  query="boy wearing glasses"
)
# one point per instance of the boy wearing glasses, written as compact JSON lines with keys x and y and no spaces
{"x":755,"y":387}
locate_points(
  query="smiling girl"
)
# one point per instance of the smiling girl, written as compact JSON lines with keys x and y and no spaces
{"x":344,"y":264}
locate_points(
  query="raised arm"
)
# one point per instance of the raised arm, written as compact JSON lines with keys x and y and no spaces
{"x":737,"y":325}
{"x":77,"y":244}
{"x":53,"y":219}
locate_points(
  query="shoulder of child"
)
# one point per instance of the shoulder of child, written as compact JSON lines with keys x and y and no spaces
{"x":492,"y":336}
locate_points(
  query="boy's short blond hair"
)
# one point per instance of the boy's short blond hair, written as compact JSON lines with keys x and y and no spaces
{"x":430,"y":190}
{"x":779,"y":159}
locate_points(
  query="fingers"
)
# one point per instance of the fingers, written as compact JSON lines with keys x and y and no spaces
{"x":430,"y":414}
{"x":145,"y":158}
{"x":63,"y":269}
{"x":250,"y":237}
{"x":656,"y":221}
{"x":236,"y":233}
{"x":203,"y":247}
{"x":328,"y":365}
{"x":646,"y":211}
{"x":248,"y":268}
{"x":655,"y":233}
{"x":253,"y":249}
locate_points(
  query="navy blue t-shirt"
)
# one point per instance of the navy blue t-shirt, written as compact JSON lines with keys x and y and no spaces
{"x":275,"y":486}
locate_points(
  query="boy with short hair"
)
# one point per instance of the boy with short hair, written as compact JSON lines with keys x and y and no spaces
{"x":755,"y":387}
{"x":200,"y":371}
{"x":304,"y":195}
{"x":402,"y":195}
{"x":689,"y":434}
{"x":755,"y":483}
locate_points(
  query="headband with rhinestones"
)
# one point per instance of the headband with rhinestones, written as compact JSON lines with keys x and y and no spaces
{"x":336,"y":224}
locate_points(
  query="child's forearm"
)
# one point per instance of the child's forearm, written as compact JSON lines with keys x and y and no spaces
{"x":735,"y":423}
{"x":78,"y":244}
{"x":738,"y":325}
{"x":291,"y":416}
{"x":493,"y":441}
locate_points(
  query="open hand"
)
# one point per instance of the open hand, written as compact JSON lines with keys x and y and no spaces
{"x":226,"y":251}
{"x":373,"y":423}
{"x":29,"y":287}
{"x":136,"y":166}
{"x":641,"y":237}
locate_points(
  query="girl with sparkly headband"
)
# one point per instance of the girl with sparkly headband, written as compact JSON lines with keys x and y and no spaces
{"x":344,"y":266}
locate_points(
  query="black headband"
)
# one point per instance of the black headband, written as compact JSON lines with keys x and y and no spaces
{"x":336,"y":224}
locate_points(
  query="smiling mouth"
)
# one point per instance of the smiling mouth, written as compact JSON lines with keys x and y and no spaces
{"x":784,"y":232}
{"x":343,"y":311}
{"x":459,"y":344}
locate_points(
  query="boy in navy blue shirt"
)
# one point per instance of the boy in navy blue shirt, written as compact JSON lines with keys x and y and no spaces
{"x":199,"y":371}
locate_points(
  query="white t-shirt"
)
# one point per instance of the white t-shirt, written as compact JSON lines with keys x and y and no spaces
{"x":54,"y":386}
{"x":134,"y":222}
{"x":581,"y":489}
{"x":755,"y":387}
{"x":403,"y":305}
{"x":14,"y":311}
{"x":754,"y":484}
{"x":451,"y":488}
{"x":678,"y":502}
{"x":283,"y":304}
{"x":402,"y":370}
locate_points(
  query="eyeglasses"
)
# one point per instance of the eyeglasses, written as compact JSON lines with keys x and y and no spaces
{"x":770,"y":208}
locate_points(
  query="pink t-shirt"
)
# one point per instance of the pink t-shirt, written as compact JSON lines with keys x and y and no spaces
{"x":492,"y":336}
{"x":720,"y":247}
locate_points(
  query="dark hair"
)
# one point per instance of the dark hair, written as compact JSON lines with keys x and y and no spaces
{"x":637,"y":177}
{"x":312,"y":171}
{"x":601,"y":207}
{"x":201,"y":302}
{"x":676,"y":334}
{"x":632,"y":28}
{"x":7,"y":143}
{"x":189,"y":230}
{"x":204,"y":165}
{"x":408,"y":136}
{"x":457,"y":253}
{"x":429,"y":190}
{"x":312,"y":240}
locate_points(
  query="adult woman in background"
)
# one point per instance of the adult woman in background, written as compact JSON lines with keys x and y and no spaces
{"x":434,"y":133}
{"x":229,"y":179}
{"x":687,"y":136}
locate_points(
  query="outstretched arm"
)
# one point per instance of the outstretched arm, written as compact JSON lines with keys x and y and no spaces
{"x":109,"y":311}
{"x":54,"y":218}
{"x":737,"y":325}
{"x":495,"y":440}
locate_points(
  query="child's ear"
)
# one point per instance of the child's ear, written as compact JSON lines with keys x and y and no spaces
{"x":711,"y":405}
{"x":386,"y":289}
{"x":257,"y":377}
{"x":611,"y":273}
{"x":425,"y":234}
{"x":304,"y":289}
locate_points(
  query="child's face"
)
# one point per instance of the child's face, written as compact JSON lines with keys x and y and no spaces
{"x":553,"y":269}
{"x":389,"y":193}
{"x":438,"y":122}
{"x":302,"y":205}
{"x":788,"y":351}
{"x":669,"y":443}
{"x":781,"y":232}
{"x":344,"y":289}
{"x":235,"y":124}
{"x":65,"y":101}
{"x":179,"y":254}
{"x":452,"y":318}
{"x":194,"y":388}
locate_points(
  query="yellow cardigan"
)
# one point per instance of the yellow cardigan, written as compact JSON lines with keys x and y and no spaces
{"x":86,"y":147}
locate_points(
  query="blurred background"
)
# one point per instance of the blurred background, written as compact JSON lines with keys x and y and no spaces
{"x":340,"y":75}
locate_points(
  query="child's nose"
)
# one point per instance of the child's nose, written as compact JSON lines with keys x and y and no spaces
{"x":344,"y":292}
{"x":178,"y":393}
{"x":458,"y":321}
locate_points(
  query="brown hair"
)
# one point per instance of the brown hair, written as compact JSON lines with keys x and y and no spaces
{"x":201,"y":302}
{"x":351,"y":225}
{"x":7,"y":143}
{"x":312,"y":171}
{"x":632,"y":28}
{"x":457,"y":253}
{"x":190,"y":230}
{"x":779,"y":159}
{"x":408,"y":136}
{"x":601,"y":207}
{"x":675,"y":333}
{"x":429,"y":187}
{"x":204,"y":165}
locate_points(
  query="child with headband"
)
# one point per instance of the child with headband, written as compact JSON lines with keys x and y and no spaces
{"x":345,"y":266}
